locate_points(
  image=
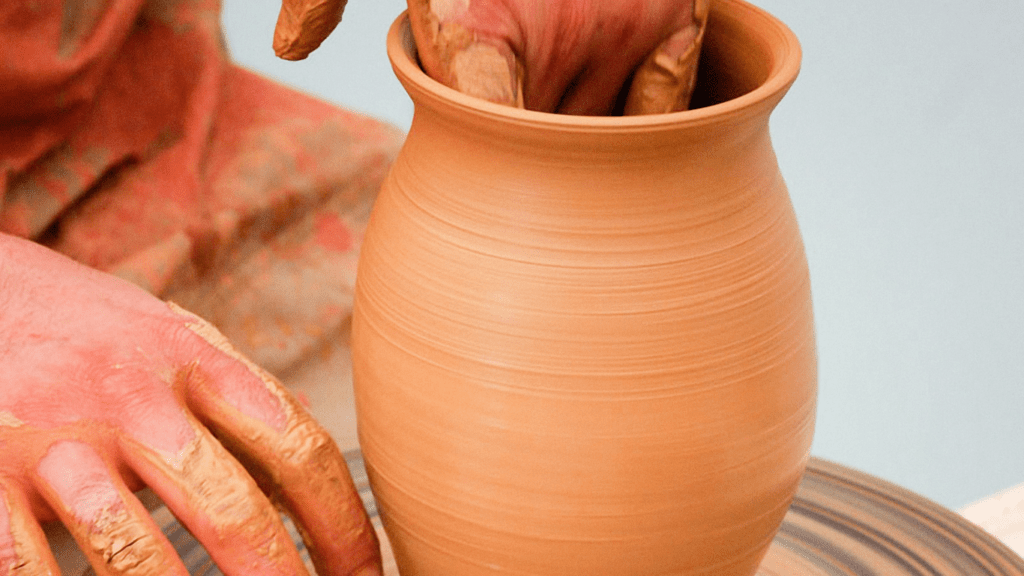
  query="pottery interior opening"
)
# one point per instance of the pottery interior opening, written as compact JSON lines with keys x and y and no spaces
{"x":739,"y":54}
{"x":734,"y":61}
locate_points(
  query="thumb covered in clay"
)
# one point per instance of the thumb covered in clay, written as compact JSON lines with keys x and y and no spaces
{"x":567,"y":56}
{"x":302,"y":25}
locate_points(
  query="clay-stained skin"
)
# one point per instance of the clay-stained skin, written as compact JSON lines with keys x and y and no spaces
{"x":665,"y":81}
{"x":459,"y":58}
{"x":9,"y":552}
{"x":290,"y":453}
{"x":81,"y":480}
{"x":315,"y":471}
{"x":23,"y":547}
{"x":101,"y":521}
{"x":446,"y":10}
{"x":296,"y":438}
{"x":264,"y":405}
{"x":125,"y":545}
{"x":9,"y":420}
{"x":215,"y":484}
{"x":483,"y":71}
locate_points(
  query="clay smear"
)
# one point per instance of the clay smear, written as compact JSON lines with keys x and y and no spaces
{"x":80,"y":479}
{"x":219,"y":489}
{"x":295,"y":436}
{"x":9,"y":552}
{"x":446,"y":10}
{"x":303,"y":25}
{"x":8,"y":420}
{"x":295,"y":458}
{"x":459,"y":59}
{"x":126,"y":545}
{"x":23,"y":547}
{"x":102,"y":523}
{"x":666,"y":80}
{"x":307,"y":474}
{"x":483,"y":71}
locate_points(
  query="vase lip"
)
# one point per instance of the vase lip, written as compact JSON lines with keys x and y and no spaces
{"x":773,"y":32}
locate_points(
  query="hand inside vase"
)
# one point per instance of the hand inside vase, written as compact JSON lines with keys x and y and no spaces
{"x":567,"y":56}
{"x":105,"y":388}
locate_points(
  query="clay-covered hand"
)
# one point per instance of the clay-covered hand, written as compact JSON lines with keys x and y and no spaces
{"x":104,"y":389}
{"x":567,"y":56}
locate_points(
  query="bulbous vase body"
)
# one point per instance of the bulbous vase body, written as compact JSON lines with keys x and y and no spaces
{"x":585,"y":345}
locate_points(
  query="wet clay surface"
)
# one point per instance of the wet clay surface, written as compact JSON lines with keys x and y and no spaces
{"x":578,"y":342}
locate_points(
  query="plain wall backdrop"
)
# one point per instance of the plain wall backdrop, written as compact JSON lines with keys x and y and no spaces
{"x":903,"y":146}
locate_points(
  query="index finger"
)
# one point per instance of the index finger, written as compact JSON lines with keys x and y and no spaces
{"x":303,"y":24}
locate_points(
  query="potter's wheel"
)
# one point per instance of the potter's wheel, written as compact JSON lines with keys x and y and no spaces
{"x":841,"y":522}
{"x":846,"y":522}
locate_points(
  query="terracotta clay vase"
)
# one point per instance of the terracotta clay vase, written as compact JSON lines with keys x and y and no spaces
{"x":585,"y":345}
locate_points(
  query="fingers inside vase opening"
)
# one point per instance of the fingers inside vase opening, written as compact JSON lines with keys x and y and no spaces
{"x":666,"y":80}
{"x":111,"y":526}
{"x":460,"y":55}
{"x":566,"y":56}
{"x":594,"y":91}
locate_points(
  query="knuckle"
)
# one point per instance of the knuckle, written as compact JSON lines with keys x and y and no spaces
{"x":239,"y":516}
{"x":126,"y":547}
{"x":307,"y":445}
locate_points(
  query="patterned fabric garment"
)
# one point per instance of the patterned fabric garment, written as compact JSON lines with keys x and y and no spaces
{"x":131,"y":143}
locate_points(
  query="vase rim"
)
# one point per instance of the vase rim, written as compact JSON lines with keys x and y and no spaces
{"x":771,"y":31}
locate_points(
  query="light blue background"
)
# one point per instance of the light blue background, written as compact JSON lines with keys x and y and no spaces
{"x":903,"y":146}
